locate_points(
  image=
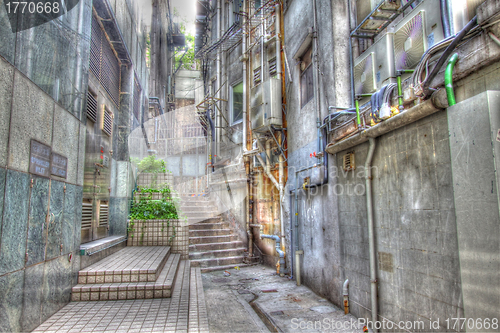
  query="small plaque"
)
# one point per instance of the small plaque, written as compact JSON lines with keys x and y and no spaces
{"x":59,"y":166}
{"x":39,"y":159}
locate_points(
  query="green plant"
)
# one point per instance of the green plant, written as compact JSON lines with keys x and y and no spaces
{"x":150,"y":164}
{"x":146,"y":208}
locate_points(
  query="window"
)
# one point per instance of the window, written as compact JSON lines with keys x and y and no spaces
{"x":306,"y":78}
{"x":237,"y":103}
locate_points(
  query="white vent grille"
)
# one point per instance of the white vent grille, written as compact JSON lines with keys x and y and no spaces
{"x":87,"y":215}
{"x":103,"y":214}
{"x":91,"y":107}
{"x":107,"y":123}
{"x":349,"y":162}
{"x":257,"y":77}
{"x":273,"y":71}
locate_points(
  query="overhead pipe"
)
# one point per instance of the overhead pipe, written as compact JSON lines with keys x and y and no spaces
{"x":448,"y":79}
{"x":278,"y":249}
{"x":371,"y":231}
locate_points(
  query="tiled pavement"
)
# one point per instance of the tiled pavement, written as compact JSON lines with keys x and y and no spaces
{"x":175,"y":314}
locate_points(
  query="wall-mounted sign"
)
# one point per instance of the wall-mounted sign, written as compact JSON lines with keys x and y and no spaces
{"x":39,"y":159}
{"x":59,"y":165}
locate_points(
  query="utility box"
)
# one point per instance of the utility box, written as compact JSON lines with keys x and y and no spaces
{"x":266,"y":105}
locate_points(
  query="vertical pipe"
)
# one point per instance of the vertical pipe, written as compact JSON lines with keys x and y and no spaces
{"x":371,"y":231}
{"x":358,"y":117}
{"x":297,"y":266}
{"x":315,"y":61}
{"x":400,"y":92}
{"x":218,"y":120}
{"x":278,"y":39}
{"x":245,"y":136}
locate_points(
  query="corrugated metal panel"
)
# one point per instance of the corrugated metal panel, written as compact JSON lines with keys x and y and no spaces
{"x":87,"y":212}
{"x":91,"y":107}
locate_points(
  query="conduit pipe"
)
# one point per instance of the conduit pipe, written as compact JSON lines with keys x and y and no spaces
{"x":345,"y":293}
{"x":371,"y":231}
{"x":426,"y":87}
{"x":278,"y":249}
{"x":448,"y":79}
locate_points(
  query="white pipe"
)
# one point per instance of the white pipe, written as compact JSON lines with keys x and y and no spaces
{"x":371,"y":231}
{"x":278,"y":39}
{"x":218,"y":120}
{"x":317,"y":101}
{"x":297,"y":265}
{"x":245,"y":137}
{"x":345,"y":292}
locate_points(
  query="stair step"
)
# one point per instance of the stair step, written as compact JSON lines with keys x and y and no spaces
{"x":193,"y":220}
{"x":204,"y":215}
{"x":239,"y":251}
{"x":212,"y":239}
{"x":206,"y":226}
{"x":223,"y":268}
{"x":161,"y":288}
{"x":132,"y":264}
{"x":211,"y":262}
{"x":209,"y":232}
{"x":215,"y":246}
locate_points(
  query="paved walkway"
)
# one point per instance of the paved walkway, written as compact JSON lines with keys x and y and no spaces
{"x":255,"y":299}
{"x":180,"y":313}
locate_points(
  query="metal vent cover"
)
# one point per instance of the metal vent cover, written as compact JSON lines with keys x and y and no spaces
{"x":349,"y":162}
{"x":87,"y":212}
{"x":257,"y":76}
{"x":103,"y":62}
{"x":91,"y":107}
{"x":103,"y":214}
{"x":107,"y":122}
{"x":273,"y":71}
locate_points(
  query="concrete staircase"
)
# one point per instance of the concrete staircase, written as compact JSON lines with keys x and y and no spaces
{"x":212,"y":245}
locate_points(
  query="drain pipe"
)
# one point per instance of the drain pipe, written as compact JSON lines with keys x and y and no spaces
{"x":371,"y":231}
{"x":278,"y":249}
{"x":245,"y":135}
{"x":345,"y":292}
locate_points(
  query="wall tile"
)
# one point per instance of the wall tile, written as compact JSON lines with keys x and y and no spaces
{"x":69,"y":219}
{"x":27,"y":124}
{"x":11,"y":302}
{"x":56,"y":214}
{"x":37,"y":233}
{"x":7,"y":75}
{"x":57,"y":283}
{"x":65,"y":140}
{"x":15,"y":222}
{"x":32,"y":297}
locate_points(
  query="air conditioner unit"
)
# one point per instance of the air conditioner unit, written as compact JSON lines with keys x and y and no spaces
{"x":375,"y":67}
{"x":266,"y":105}
{"x":421,"y":29}
{"x":365,"y":7}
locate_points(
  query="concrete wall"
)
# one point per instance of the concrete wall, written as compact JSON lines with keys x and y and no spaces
{"x":36,"y":274}
{"x":474,"y":157}
{"x":414,"y":215}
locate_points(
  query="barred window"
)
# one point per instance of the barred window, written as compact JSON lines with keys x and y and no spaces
{"x":306,"y":78}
